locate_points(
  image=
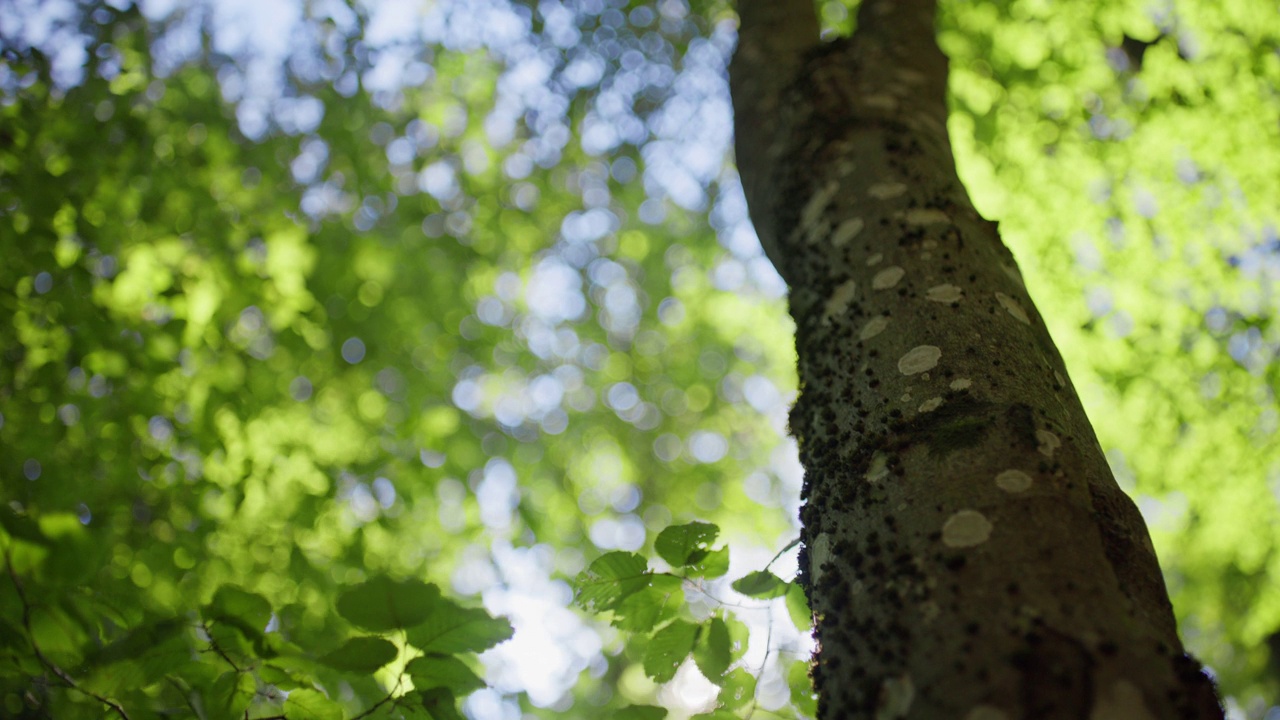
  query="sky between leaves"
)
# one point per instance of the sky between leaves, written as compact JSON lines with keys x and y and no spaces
{"x":466,"y":290}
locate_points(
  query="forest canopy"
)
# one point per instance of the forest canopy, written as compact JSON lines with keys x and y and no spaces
{"x":402,"y":359}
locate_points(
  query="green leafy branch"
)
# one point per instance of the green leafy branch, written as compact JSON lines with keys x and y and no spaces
{"x":52,"y":667}
{"x":401,"y":620}
{"x":650,"y":606}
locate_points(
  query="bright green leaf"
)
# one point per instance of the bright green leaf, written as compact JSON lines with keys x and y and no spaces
{"x":231,"y":694}
{"x":440,"y":704}
{"x":610,"y":578}
{"x":455,"y":629}
{"x":307,"y":704}
{"x":430,"y":671}
{"x":640,"y":712}
{"x":362,"y":654}
{"x":738,"y":688}
{"x":719,"y":714}
{"x":682,"y":545}
{"x":383,"y":604}
{"x":668,"y":648}
{"x":647,"y":609}
{"x":709,"y":564}
{"x":711,"y":652}
{"x":798,"y":607}
{"x":232,"y":602}
{"x":761,"y":584}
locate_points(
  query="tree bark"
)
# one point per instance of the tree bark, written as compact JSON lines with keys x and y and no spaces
{"x":967,"y":552}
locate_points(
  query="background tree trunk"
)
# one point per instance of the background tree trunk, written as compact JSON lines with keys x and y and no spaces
{"x":967,"y":552}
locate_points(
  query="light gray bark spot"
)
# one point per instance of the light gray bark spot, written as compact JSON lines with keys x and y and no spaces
{"x":1013,"y":274}
{"x":1013,"y":307}
{"x":846,"y":231}
{"x":1058,"y":376}
{"x":874,"y":327}
{"x":929,"y":611}
{"x":1120,"y":700}
{"x":986,"y":712}
{"x":896,"y":696}
{"x":961,"y":384}
{"x":875,"y":259}
{"x":908,"y":76}
{"x":1049,"y":443}
{"x":919,"y":359}
{"x":884,"y":191}
{"x":819,"y":554}
{"x":839,"y":301}
{"x":880,"y":102}
{"x":887,"y":277}
{"x":879,"y":469}
{"x":931,"y":404}
{"x":966,"y":528}
{"x":946,"y":293}
{"x":1013,"y":481}
{"x":925,"y":216}
{"x":818,"y":204}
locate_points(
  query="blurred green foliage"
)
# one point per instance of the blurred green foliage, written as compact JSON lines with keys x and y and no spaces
{"x":285,"y":402}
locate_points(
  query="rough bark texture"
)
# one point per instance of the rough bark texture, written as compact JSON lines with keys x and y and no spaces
{"x":967,"y":551}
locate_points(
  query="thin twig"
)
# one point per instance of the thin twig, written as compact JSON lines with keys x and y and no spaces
{"x":790,"y":545}
{"x":390,"y":696}
{"x":213,"y":645}
{"x":35,"y":647}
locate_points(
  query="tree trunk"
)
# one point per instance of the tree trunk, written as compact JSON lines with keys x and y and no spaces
{"x":967,"y":552}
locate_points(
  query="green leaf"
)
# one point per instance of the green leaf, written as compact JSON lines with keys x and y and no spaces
{"x":440,"y":704}
{"x":712,"y":564}
{"x":138,"y":641}
{"x":761,"y":584}
{"x":718,"y":714}
{"x":430,"y":671}
{"x":610,"y":578}
{"x":234,"y":603}
{"x":711,"y":652}
{"x":640,"y":712}
{"x":798,"y":607}
{"x":383,"y":604}
{"x":362,"y":654}
{"x":682,"y":545}
{"x":739,"y":687}
{"x":668,"y":648}
{"x":454,"y":629}
{"x":231,"y":694}
{"x":647,"y":609}
{"x":802,"y":695}
{"x":306,"y":704}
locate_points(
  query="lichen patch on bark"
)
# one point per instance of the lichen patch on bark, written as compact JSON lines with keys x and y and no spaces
{"x":945,"y":293}
{"x":874,"y":327}
{"x":1013,"y":481}
{"x":887,"y":277}
{"x":1013,"y":308}
{"x":919,"y":359}
{"x":966,"y":528}
{"x":1048,"y":443}
{"x":846,"y":231}
{"x":838,"y":303}
{"x":885,"y":191}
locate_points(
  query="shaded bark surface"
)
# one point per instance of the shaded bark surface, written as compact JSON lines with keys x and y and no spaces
{"x":967,"y":552}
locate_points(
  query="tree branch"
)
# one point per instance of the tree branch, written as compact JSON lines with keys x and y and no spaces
{"x":35,"y":647}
